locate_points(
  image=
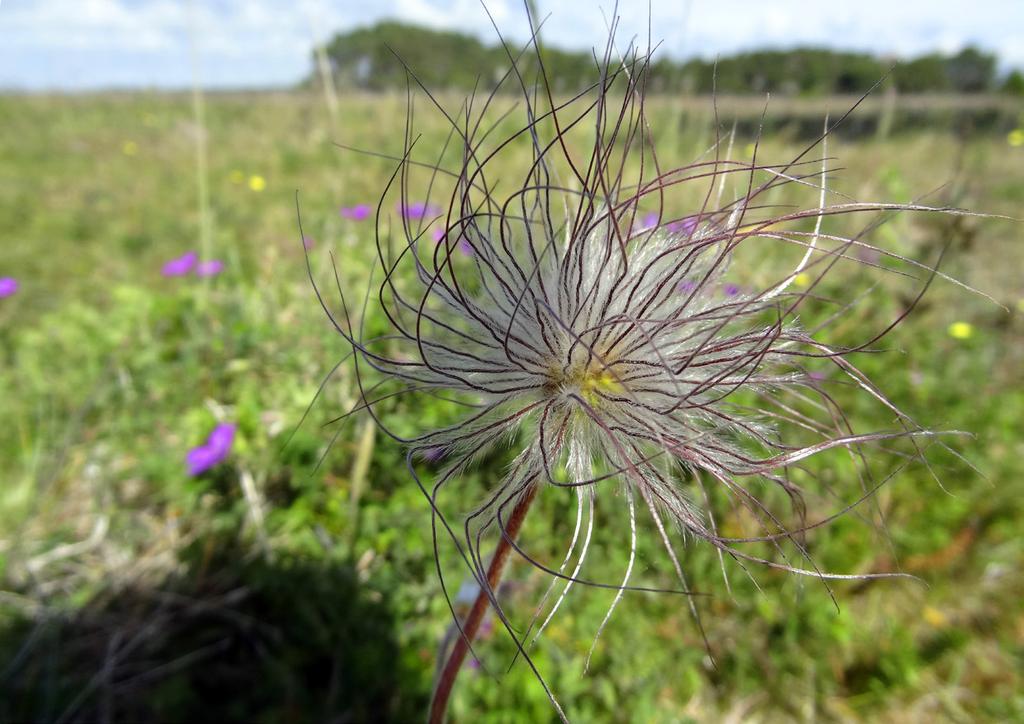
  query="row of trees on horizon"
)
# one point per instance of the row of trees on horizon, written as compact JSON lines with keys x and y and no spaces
{"x":365,"y":58}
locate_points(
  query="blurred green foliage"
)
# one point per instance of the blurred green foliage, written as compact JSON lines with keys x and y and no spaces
{"x":377,"y":58}
{"x":130,"y":591}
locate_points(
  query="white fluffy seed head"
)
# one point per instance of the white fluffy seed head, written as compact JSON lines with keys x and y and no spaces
{"x":615,"y":343}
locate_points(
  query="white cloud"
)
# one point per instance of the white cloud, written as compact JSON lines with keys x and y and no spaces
{"x":467,"y":14}
{"x":87,"y":24}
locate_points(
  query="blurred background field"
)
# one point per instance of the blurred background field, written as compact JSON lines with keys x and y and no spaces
{"x":297,"y":583}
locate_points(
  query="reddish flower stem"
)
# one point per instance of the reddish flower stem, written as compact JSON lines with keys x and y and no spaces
{"x":439,"y":704}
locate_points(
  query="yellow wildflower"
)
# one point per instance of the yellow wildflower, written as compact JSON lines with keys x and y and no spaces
{"x":935,"y":617}
{"x":129,"y":148}
{"x":803,"y":279}
{"x":1015,"y":137}
{"x":961,"y":330}
{"x":257,"y":183}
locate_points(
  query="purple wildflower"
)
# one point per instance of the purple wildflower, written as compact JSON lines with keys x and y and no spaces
{"x":731,"y":290}
{"x":8,"y":286}
{"x":686,"y":225}
{"x":359,"y":212}
{"x":465,"y":247}
{"x":650,"y":220}
{"x":222,"y":437}
{"x":181,"y":266}
{"x":418,"y":209}
{"x":214,"y":450}
{"x":487,"y":627}
{"x":209,"y":268}
{"x":200,"y":459}
{"x":686,"y":286}
{"x":308,"y":242}
{"x":437,"y":234}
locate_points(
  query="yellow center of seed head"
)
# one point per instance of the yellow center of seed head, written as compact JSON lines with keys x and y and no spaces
{"x":589,"y":380}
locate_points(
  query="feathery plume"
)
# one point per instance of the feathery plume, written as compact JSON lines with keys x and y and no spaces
{"x":627,"y":329}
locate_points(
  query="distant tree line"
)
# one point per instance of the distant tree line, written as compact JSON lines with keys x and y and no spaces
{"x":366,"y":58}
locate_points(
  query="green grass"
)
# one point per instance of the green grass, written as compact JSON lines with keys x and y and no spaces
{"x":130,"y":590}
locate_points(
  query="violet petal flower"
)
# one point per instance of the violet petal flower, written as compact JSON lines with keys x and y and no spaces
{"x":465,"y":247}
{"x":437,"y":234}
{"x":308,"y":242}
{"x":418,"y":210}
{"x":222,"y":437}
{"x":181,"y":266}
{"x":8,"y":286}
{"x":731,"y":290}
{"x":685,"y":225}
{"x":214,"y":450}
{"x":686,"y":286}
{"x":200,"y":459}
{"x":650,"y":220}
{"x":359,"y":212}
{"x":209,"y":268}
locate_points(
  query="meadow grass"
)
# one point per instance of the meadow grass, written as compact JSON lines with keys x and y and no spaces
{"x":129,"y":589}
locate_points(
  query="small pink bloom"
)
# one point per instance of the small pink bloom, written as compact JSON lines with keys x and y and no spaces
{"x":8,"y":286}
{"x":209,"y":268}
{"x":359,"y":212}
{"x":181,"y":266}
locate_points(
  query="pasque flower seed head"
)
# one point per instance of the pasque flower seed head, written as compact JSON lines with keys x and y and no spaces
{"x":625,"y":327}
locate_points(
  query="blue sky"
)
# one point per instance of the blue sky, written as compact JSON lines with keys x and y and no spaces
{"x":84,"y":44}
